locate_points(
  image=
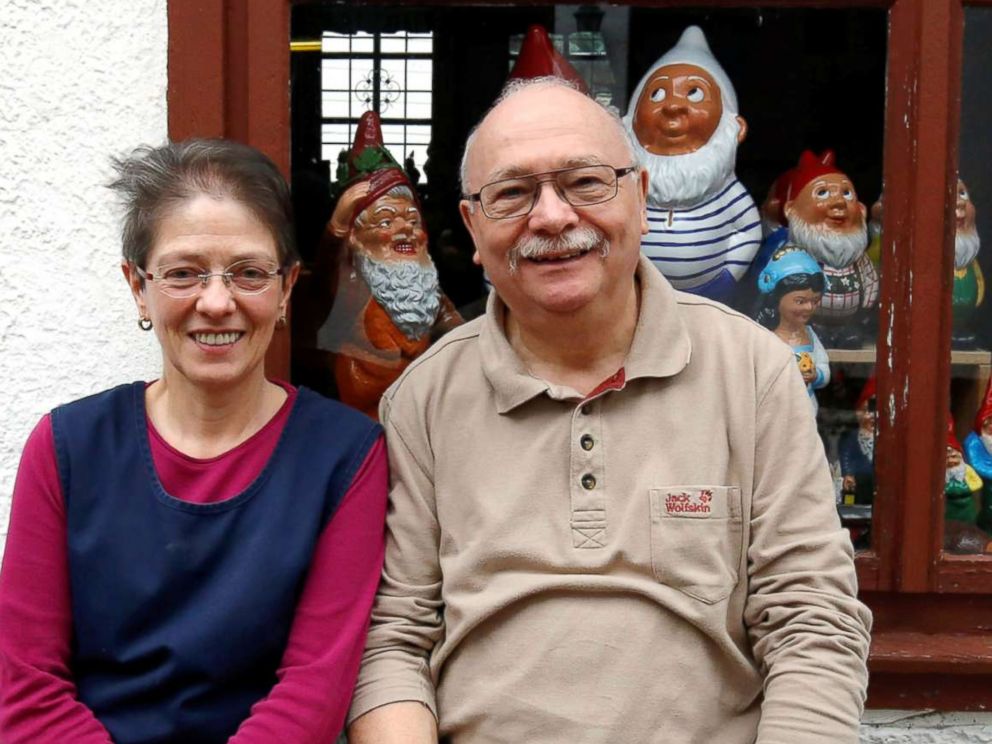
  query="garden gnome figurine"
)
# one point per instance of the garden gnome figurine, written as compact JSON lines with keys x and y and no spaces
{"x":962,"y":485}
{"x":969,"y":284}
{"x":539,"y":58}
{"x":827,"y":221}
{"x":704,"y":227}
{"x":978,"y":454}
{"x":388,"y":301}
{"x":791,"y":285}
{"x":857,"y":451}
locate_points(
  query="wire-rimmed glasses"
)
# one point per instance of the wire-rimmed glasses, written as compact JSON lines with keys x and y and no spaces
{"x":182,"y":280}
{"x":581,"y":186}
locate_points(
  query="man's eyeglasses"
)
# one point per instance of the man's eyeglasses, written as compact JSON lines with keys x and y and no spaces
{"x":184,"y":280}
{"x":581,"y":187}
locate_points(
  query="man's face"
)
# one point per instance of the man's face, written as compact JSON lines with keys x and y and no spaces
{"x":392,"y":231}
{"x":540,"y":129}
{"x":964,"y":210}
{"x":678,"y":110}
{"x":829,"y":201}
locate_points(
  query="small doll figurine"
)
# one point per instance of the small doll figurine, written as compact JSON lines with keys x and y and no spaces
{"x":791,"y":285}
{"x":968,"y":290}
{"x":857,"y":451}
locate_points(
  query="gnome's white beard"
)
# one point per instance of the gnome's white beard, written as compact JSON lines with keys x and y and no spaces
{"x":866,"y":441}
{"x":577,"y":239}
{"x":966,"y":245}
{"x":406,"y":290}
{"x":955,"y":474}
{"x":833,"y":247}
{"x":685,"y":180}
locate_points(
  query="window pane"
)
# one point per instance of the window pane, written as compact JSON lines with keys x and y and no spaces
{"x":335,"y":74}
{"x":362,"y":43}
{"x":336,"y":43}
{"x":418,"y":105}
{"x":420,"y":44}
{"x":393,"y":43}
{"x":419,"y":74}
{"x":336,"y":104}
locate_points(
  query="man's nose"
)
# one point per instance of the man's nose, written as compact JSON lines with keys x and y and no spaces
{"x":551,"y":213}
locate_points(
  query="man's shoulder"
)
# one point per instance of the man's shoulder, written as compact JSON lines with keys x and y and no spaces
{"x":446,"y":354}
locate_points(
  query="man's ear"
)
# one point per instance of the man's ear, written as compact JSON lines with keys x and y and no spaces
{"x":136,"y":284}
{"x":467,"y":210}
{"x":742,"y":132}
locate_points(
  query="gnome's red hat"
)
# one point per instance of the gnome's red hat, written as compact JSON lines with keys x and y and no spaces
{"x":985,"y":411}
{"x":780,"y":193}
{"x":369,"y":161}
{"x":952,"y":440}
{"x":539,"y":58}
{"x":867,"y":392}
{"x":810,"y":166}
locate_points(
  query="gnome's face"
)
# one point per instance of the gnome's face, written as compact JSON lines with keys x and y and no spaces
{"x":678,"y":110}
{"x":964,"y":210}
{"x":866,"y":417}
{"x":830,"y":201}
{"x":391,"y":230}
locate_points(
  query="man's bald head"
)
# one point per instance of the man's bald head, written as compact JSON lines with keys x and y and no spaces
{"x":534,"y":86}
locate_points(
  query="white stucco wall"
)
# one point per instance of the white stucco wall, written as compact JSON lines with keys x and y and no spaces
{"x":79,"y":80}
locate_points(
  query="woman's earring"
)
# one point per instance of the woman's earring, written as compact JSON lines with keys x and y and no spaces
{"x":145,"y":323}
{"x":281,"y":323}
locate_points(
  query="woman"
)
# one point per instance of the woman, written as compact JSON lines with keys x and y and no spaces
{"x":792,"y":285}
{"x":194,"y":559}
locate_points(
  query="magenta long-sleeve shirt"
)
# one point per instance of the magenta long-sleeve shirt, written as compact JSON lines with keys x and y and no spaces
{"x":38,"y":702}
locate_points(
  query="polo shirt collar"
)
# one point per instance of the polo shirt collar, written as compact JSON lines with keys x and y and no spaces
{"x":661,"y":346}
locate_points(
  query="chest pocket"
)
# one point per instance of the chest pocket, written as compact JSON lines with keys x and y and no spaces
{"x":696,"y":535}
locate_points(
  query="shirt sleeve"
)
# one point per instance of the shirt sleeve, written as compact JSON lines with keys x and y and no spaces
{"x":38,"y":699}
{"x":407,"y":618}
{"x":808,"y":631}
{"x":318,"y":669}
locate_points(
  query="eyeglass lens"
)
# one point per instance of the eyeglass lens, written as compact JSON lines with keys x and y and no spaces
{"x":582,"y":186}
{"x":244,"y":277}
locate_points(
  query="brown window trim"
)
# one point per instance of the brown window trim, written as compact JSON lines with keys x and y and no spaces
{"x":229,"y":76}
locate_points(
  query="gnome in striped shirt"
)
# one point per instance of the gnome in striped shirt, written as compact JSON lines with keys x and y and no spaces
{"x":704,"y":227}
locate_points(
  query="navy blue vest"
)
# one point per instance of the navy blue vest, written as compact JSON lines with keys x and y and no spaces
{"x":181,"y":611}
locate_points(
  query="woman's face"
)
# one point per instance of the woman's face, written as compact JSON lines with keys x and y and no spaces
{"x":217,"y":337}
{"x":796,"y":308}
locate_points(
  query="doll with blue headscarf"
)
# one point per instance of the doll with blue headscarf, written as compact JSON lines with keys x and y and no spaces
{"x":791,"y":285}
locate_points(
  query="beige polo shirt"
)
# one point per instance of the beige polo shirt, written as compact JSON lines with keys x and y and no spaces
{"x":659,"y":563}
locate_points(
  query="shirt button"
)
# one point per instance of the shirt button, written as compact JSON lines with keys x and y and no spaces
{"x":588,"y":481}
{"x":586,"y":442}
{"x":584,"y":410}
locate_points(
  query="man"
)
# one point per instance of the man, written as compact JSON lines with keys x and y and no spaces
{"x":611,"y":517}
{"x":978,"y":452}
{"x":826,"y":220}
{"x":704,"y":225}
{"x":968,"y":290}
{"x":388,"y":300}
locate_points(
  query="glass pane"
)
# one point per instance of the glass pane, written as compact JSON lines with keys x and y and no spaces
{"x":362,"y":43}
{"x":968,"y":482}
{"x":335,"y":74}
{"x":419,"y":74}
{"x":335,"y":104}
{"x":420,"y":44}
{"x":393,"y":43}
{"x":418,"y":105}
{"x":340,"y":43}
{"x":394,"y":72}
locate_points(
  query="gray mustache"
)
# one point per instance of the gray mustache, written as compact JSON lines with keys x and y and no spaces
{"x":539,"y":246}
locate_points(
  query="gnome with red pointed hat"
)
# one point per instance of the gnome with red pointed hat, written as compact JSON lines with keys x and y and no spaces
{"x":388,"y":300}
{"x":827,"y":221}
{"x":539,"y":58}
{"x":962,"y":484}
{"x":857,"y":451}
{"x":683,"y":120}
{"x":978,"y":453}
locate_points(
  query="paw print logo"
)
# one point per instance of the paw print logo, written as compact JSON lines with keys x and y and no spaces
{"x":706,"y":497}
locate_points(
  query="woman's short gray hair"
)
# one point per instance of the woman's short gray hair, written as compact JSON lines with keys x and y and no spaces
{"x":152,"y":181}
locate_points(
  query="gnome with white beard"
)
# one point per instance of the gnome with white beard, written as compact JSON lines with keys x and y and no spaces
{"x":704,"y":227}
{"x":388,"y":302}
{"x":827,"y":221}
{"x":969,"y":284}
